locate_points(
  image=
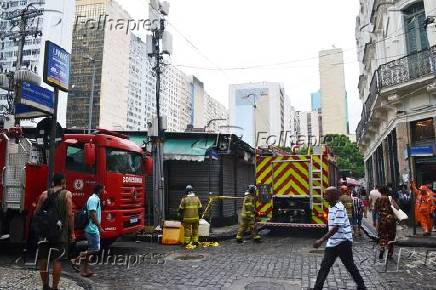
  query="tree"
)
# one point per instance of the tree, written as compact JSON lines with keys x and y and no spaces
{"x":347,"y":154}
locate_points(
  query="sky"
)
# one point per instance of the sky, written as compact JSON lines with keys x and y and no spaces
{"x":235,"y":41}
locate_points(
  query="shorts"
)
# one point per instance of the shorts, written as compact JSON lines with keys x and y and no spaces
{"x":93,"y":242}
{"x":51,"y":251}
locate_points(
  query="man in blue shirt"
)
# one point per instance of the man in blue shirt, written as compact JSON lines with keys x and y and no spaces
{"x":93,"y":230}
{"x":339,"y":241}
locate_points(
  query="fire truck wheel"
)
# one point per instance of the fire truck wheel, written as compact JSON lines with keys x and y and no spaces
{"x":106,"y":243}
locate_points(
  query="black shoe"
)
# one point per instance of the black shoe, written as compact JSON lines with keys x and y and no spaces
{"x":239,"y":241}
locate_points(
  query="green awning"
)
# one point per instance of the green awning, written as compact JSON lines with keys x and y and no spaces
{"x":187,"y":149}
{"x":190,"y":149}
{"x":139,"y":140}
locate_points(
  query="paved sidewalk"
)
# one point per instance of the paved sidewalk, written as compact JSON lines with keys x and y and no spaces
{"x":404,"y":233}
{"x":18,"y":278}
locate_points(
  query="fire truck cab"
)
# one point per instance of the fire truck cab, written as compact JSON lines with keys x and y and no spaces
{"x":103,"y":158}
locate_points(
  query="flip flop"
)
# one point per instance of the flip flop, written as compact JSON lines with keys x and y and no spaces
{"x":74,"y":265}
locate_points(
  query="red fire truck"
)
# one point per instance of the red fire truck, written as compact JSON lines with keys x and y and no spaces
{"x":103,"y":157}
{"x":291,"y":188}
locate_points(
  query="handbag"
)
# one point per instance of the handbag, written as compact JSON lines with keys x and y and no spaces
{"x":398,"y":213}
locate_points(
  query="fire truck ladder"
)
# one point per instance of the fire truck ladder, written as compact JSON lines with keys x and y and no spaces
{"x":316,"y":196}
{"x":13,"y":175}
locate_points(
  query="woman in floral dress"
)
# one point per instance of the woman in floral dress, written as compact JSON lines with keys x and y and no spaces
{"x":387,"y":223}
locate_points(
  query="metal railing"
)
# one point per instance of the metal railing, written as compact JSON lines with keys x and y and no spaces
{"x":405,"y":69}
{"x":396,"y":72}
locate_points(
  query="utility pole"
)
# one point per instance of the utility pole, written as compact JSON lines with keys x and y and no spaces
{"x":159,"y":43}
{"x":20,"y":19}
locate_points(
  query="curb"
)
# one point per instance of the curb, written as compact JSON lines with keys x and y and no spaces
{"x":407,"y":241}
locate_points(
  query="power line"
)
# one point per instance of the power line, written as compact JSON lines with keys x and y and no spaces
{"x":278,"y":64}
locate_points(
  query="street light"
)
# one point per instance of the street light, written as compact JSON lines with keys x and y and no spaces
{"x":213,"y":120}
{"x":91,"y":98}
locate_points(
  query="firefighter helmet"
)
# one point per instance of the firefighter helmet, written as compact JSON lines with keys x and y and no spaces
{"x":189,"y":189}
{"x":252,"y":189}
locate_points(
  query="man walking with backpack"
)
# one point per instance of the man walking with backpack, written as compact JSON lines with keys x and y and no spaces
{"x":54,"y":224}
{"x":92,"y":230}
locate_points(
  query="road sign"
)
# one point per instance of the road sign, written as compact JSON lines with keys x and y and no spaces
{"x":35,"y":101}
{"x":421,"y":151}
{"x":56,"y":66}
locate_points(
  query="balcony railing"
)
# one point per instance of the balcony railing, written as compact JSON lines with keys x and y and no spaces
{"x":400,"y":71}
{"x":406,"y":69}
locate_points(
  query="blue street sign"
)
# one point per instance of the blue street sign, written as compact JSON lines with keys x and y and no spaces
{"x":35,"y":101}
{"x":421,"y":151}
{"x":56,"y":66}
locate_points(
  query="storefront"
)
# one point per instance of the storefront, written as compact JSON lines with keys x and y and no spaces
{"x":423,"y":150}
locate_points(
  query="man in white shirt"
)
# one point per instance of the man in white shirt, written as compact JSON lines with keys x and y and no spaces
{"x":373,"y":196}
{"x":339,"y":242}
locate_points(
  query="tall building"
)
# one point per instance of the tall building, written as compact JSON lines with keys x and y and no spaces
{"x":198,"y":103}
{"x":258,"y":108}
{"x":333,"y":94}
{"x":315,"y":101}
{"x":109,"y":48}
{"x":33,"y":54}
{"x":141,"y":102}
{"x":176,"y":99}
{"x":214,"y":110}
{"x":397,"y":85}
{"x":307,"y":127}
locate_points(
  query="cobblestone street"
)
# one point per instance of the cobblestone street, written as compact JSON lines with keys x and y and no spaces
{"x":279,"y":262}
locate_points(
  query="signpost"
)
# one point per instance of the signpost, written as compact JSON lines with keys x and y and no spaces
{"x":35,"y":101}
{"x":56,"y":66}
{"x":56,"y":73}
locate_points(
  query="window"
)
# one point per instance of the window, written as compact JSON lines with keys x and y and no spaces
{"x":423,"y":130}
{"x":119,"y":161}
{"x":76,"y":159}
{"x":414,"y":26}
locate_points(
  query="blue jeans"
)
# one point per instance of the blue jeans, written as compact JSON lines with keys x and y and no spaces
{"x":356,"y":220}
{"x":93,"y":242}
{"x":374,"y":216}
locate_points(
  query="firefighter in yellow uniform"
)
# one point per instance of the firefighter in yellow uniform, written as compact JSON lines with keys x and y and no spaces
{"x":247,"y":219}
{"x":190,"y":211}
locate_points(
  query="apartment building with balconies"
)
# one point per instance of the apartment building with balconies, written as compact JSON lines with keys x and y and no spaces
{"x":396,"y":42}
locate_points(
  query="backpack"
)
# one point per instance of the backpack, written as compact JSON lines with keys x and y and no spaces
{"x":81,"y":217}
{"x":47,"y":222}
